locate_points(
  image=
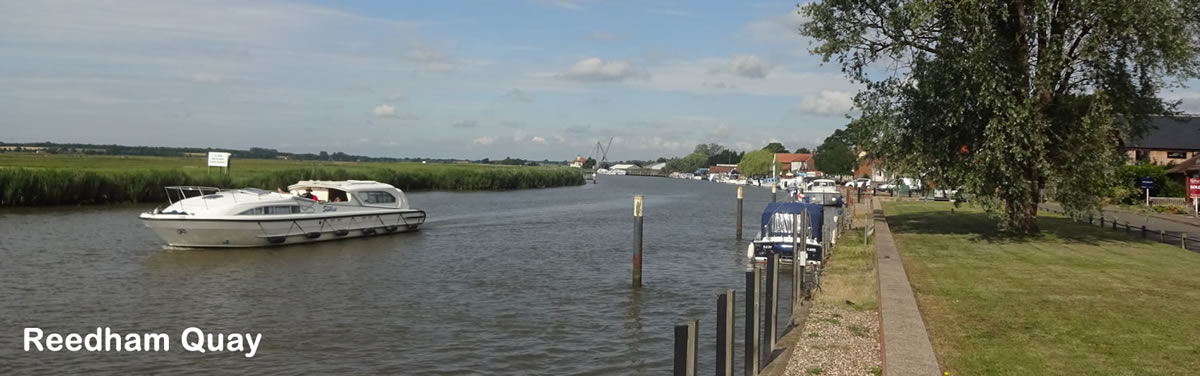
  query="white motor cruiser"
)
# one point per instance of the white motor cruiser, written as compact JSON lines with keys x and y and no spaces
{"x":251,"y":217}
{"x":822,"y":191}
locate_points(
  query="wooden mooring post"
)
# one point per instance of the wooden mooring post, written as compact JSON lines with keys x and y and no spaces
{"x":1143,"y":231}
{"x":772,"y":306}
{"x":739,"y":213}
{"x":637,"y":241}
{"x":725,"y":314}
{"x":1162,"y":236}
{"x":1183,"y":240}
{"x":797,"y":268}
{"x":685,"y":348}
{"x":752,"y":328}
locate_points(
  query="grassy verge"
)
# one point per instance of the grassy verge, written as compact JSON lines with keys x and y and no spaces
{"x":1074,"y":300}
{"x":850,"y":275}
{"x":30,"y":180}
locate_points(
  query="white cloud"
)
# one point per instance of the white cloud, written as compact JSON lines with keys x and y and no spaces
{"x":559,"y":139}
{"x":748,"y":66}
{"x":486,"y":140}
{"x":519,"y":135}
{"x":563,"y":4}
{"x":690,"y":76}
{"x":434,"y":60}
{"x":466,"y":124}
{"x":209,"y":78}
{"x":519,"y":96}
{"x":538,"y":140}
{"x":827,"y":103}
{"x":604,"y":36}
{"x":779,"y":27}
{"x":671,"y":12}
{"x":384,"y":110}
{"x":595,"y":69}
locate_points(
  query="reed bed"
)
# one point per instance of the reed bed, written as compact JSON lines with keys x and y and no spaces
{"x":78,"y":186}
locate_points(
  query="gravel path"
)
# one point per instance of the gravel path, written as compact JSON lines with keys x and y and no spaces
{"x":837,"y":341}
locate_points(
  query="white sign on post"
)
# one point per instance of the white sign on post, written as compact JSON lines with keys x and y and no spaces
{"x":218,"y":159}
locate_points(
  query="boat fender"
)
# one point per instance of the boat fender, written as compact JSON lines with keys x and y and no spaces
{"x":276,"y":239}
{"x":368,"y":231}
{"x":341,"y":232}
{"x":312,"y":235}
{"x":391,"y":228}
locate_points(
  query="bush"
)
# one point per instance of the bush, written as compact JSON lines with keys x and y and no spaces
{"x":1129,"y":190}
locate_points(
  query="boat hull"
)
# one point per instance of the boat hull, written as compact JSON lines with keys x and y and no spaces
{"x":184,"y":231}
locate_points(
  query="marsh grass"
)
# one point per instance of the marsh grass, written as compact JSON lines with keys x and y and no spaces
{"x":1073,"y":300}
{"x":32,"y":180}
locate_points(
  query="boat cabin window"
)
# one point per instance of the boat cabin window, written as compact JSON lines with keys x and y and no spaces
{"x":271,"y":210}
{"x":377,"y":197}
{"x":336,"y":195}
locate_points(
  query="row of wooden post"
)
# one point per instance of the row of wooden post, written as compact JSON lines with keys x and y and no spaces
{"x":757,"y":349}
{"x":1162,"y":234}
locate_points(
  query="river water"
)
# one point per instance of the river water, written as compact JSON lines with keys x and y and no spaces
{"x":523,"y":282}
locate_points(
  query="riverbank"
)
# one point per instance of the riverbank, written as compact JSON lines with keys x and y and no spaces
{"x":39,"y":180}
{"x":841,"y":333}
{"x":1072,"y":300}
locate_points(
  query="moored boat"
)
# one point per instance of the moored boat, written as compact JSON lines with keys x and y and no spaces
{"x":822,"y":191}
{"x":251,"y":217}
{"x":775,"y":234}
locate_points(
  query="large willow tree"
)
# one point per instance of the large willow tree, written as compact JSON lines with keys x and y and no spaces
{"x":1010,"y":97}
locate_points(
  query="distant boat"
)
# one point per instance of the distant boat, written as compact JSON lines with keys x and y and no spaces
{"x":252,"y":217}
{"x":822,"y":191}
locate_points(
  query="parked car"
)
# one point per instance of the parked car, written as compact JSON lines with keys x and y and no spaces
{"x":898,"y":184}
{"x":949,"y":194}
{"x":859,"y":183}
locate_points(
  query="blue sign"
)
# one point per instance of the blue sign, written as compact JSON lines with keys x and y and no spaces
{"x":1147,"y":182}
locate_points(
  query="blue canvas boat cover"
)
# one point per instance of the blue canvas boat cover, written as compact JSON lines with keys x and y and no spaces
{"x":777,"y":218}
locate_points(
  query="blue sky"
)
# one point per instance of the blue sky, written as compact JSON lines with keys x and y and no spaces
{"x":534,"y":79}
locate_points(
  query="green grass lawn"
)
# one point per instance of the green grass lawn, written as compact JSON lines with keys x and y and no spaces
{"x":1074,"y":300}
{"x":850,"y":274}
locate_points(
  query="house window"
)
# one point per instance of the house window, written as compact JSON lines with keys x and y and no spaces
{"x":1177,"y":154}
{"x":377,"y":197}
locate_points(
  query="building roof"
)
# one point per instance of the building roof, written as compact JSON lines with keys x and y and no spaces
{"x":1191,"y":164}
{"x":791,"y":157}
{"x":657,"y":166}
{"x":1170,"y":133}
{"x":719,"y":169}
{"x":622,"y":167}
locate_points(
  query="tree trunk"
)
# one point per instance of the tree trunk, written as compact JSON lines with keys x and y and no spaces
{"x":1022,"y":214}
